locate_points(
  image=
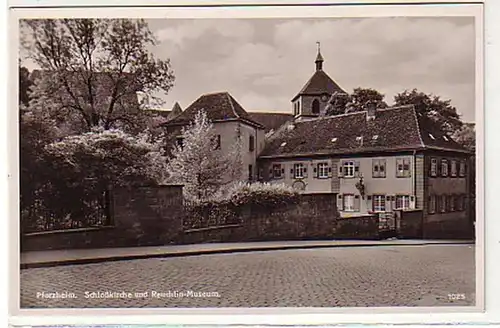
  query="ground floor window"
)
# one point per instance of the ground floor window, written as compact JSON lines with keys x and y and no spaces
{"x":299,"y":170}
{"x":453,"y":203}
{"x":348,"y":202}
{"x":277,"y":171}
{"x":442,"y":204}
{"x":432,"y":204}
{"x":402,"y":202}
{"x":378,"y":203}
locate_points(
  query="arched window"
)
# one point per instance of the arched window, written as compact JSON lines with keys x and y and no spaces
{"x":315,"y":108}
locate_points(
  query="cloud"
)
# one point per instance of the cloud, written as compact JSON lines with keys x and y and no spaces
{"x":191,"y":30}
{"x":266,"y":62}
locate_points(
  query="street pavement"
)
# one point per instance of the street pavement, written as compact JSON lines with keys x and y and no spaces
{"x":426,"y":275}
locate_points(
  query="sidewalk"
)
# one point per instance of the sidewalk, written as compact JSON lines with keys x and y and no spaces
{"x":84,"y":256}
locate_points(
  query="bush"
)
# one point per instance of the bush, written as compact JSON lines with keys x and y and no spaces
{"x":225,"y":208}
{"x":262,"y":194}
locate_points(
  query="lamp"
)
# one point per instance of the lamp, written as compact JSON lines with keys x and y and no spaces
{"x":361,"y":187}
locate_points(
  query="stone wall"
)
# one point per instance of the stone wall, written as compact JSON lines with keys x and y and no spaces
{"x":142,"y":216}
{"x":409,"y":224}
{"x":454,"y":225}
{"x":315,"y":216}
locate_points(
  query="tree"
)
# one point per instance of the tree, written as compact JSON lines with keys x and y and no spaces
{"x":433,"y":107}
{"x":111,"y":157}
{"x":357,"y":101}
{"x":466,"y":136}
{"x":361,"y":97}
{"x":25,"y":83}
{"x":91,"y":71}
{"x":198,"y":164}
{"x":337,"y":104}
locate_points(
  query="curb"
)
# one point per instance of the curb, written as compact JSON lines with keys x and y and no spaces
{"x":219,"y":251}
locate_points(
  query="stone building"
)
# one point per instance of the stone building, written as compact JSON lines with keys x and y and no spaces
{"x":373,"y":161}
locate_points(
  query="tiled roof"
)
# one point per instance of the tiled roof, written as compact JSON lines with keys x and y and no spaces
{"x":393,"y":129}
{"x":271,"y":121}
{"x":162,"y":113}
{"x":219,"y":106}
{"x":176,"y":111}
{"x":318,"y":84}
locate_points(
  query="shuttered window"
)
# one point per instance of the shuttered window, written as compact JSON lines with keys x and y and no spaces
{"x":277,"y":171}
{"x":444,"y":168}
{"x":299,"y":171}
{"x":402,"y":202}
{"x":378,"y":203}
{"x":323,"y":170}
{"x":432,"y":204}
{"x":434,"y":167}
{"x":403,"y":168}
{"x":348,"y":204}
{"x":378,"y":168}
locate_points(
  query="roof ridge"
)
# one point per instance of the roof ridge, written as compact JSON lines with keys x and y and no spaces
{"x":212,"y":93}
{"x":414,"y":111}
{"x":232,"y":105}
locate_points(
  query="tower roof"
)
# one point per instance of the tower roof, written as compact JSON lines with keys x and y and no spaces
{"x":319,"y":59}
{"x":320,"y":83}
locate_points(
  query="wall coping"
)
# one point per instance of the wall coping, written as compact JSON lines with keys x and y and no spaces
{"x":228,"y":226}
{"x":357,"y":217}
{"x":69,"y":231}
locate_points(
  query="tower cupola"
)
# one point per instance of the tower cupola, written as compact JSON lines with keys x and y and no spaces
{"x":319,"y":59}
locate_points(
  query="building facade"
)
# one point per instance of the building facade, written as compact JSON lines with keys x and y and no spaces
{"x":230,"y":122}
{"x":371,"y":161}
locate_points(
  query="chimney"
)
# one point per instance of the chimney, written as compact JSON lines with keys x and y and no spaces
{"x":371,"y":111}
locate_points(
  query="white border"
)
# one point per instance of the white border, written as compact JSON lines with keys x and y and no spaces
{"x":287,"y":316}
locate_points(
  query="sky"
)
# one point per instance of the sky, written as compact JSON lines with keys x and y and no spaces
{"x":263,"y":63}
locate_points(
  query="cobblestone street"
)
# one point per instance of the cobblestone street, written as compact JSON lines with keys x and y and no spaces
{"x":325,"y":277}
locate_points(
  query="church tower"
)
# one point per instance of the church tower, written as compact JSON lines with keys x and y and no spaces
{"x":313,"y":97}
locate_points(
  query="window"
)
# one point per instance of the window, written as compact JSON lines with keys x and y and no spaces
{"x":277,"y":171}
{"x":250,"y":172}
{"x":323,"y":170}
{"x":298,"y":170}
{"x":444,"y":168}
{"x":251,"y":143}
{"x":432,"y":204}
{"x":452,"y":203}
{"x":402,"y":202}
{"x":378,"y":203}
{"x":315,"y":106}
{"x":442,"y":204}
{"x":348,"y":203}
{"x":378,"y":168}
{"x":453,"y":168}
{"x":403,"y":167}
{"x":180,"y":142}
{"x":349,"y":168}
{"x":433,"y":167}
{"x":462,"y":169}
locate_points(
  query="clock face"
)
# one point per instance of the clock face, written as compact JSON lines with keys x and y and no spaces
{"x":324,"y":98}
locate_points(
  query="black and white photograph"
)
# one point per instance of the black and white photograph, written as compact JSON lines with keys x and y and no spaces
{"x":249,"y":162}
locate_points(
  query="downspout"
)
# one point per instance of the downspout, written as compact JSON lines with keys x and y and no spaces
{"x":414,"y":182}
